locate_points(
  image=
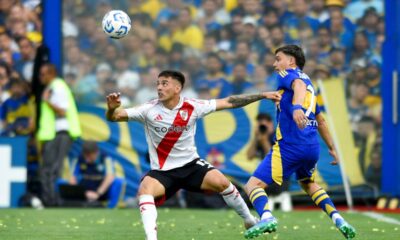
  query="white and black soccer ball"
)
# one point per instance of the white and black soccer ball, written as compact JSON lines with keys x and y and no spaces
{"x":116,"y":24}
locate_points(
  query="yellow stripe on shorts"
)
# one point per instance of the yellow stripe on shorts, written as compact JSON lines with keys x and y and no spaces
{"x":276,"y":164}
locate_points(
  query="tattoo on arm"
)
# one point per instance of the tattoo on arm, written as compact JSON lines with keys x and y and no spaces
{"x":244,"y":99}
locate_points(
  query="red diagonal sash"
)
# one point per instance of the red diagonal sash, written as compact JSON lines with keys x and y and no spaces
{"x":169,"y":140}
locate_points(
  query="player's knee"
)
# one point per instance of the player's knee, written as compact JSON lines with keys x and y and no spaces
{"x":223,"y":184}
{"x":252,"y":184}
{"x":308,"y":186}
{"x":144,"y":191}
{"x":305,"y":185}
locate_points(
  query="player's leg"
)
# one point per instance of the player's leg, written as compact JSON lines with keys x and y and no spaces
{"x":276,"y":166}
{"x":215,"y":181}
{"x":258,"y":197}
{"x":305,"y":175}
{"x":322,"y":200}
{"x":149,"y":189}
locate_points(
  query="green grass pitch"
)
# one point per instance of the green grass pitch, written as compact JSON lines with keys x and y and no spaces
{"x":177,"y":224}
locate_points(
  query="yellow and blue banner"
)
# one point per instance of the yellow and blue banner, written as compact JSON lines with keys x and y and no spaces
{"x":222,"y":138}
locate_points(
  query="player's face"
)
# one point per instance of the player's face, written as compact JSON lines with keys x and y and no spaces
{"x":167,"y":88}
{"x":90,"y":157}
{"x":283,"y":61}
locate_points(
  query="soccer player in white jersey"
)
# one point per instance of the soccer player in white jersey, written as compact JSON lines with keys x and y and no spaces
{"x":170,"y":125}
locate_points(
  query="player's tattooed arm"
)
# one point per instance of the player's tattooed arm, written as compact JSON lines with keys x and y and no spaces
{"x":242,"y":100}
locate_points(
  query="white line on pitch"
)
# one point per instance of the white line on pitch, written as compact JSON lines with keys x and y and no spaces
{"x":381,"y":217}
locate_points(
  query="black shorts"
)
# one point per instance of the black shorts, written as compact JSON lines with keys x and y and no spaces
{"x":188,"y":177}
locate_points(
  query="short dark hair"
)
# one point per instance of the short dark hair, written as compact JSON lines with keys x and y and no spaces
{"x":89,"y":147}
{"x":264,"y":116}
{"x":294,"y":51}
{"x":51,"y":68}
{"x":173,"y":74}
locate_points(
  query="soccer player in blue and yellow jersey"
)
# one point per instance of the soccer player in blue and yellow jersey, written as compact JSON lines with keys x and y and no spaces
{"x":296,"y":148}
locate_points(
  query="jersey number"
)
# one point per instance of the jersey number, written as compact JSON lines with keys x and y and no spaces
{"x":201,"y":162}
{"x":310,"y":100}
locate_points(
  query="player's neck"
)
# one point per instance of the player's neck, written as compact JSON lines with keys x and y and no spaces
{"x":171,"y":103}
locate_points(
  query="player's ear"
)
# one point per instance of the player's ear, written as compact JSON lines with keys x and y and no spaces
{"x":292,"y":60}
{"x":178,"y":87}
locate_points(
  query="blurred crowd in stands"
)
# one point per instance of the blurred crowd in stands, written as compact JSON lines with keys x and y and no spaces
{"x":224,"y":47}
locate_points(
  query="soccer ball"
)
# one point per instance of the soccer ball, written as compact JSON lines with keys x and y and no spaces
{"x":116,"y":24}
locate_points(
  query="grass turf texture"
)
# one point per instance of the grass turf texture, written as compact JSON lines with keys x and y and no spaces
{"x":177,"y":224}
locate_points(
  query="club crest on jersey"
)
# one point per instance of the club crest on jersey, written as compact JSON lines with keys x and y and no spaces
{"x":184,"y":114}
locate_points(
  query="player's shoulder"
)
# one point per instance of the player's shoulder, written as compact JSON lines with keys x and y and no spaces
{"x":288,"y":73}
{"x":151,"y":103}
{"x":195,"y":101}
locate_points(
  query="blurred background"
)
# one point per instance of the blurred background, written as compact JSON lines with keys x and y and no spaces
{"x":223,"y":47}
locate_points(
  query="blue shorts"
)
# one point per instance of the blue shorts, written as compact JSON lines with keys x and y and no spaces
{"x":285,"y":159}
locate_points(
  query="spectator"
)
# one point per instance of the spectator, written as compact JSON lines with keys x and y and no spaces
{"x":58,"y":126}
{"x":148,"y":57}
{"x":373,"y":80}
{"x":264,"y":134}
{"x":94,"y":171}
{"x":374,"y":171}
{"x":146,"y":91}
{"x":356,"y":9}
{"x":17,"y":111}
{"x":126,"y":79}
{"x":189,"y":34}
{"x":4,"y":82}
{"x":242,"y":55}
{"x":299,"y":18}
{"x":240,"y":81}
{"x":24,"y":66}
{"x":369,"y":25}
{"x":356,"y":106}
{"x":191,"y":66}
{"x":341,"y":33}
{"x":207,"y":16}
{"x":361,"y":51}
{"x":282,"y":10}
{"x":215,"y":80}
{"x":338,"y":65}
{"x":318,"y":10}
{"x":270,"y":17}
{"x":277,"y":38}
{"x":325,"y":44}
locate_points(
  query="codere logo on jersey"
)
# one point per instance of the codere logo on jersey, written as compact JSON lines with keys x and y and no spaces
{"x":172,"y":128}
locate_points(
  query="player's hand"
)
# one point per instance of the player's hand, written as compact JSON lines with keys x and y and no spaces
{"x":333,"y":153}
{"x":274,"y":96}
{"x":91,"y":195}
{"x":113,"y":100}
{"x":46,"y":94}
{"x":300,"y":118}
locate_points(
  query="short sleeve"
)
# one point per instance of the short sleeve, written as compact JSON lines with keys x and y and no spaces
{"x":286,"y":78}
{"x":109,"y":166}
{"x":138,"y":113}
{"x":59,"y":98}
{"x":203,"y":107}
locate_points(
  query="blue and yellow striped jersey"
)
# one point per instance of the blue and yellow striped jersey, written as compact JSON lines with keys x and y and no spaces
{"x":287,"y":130}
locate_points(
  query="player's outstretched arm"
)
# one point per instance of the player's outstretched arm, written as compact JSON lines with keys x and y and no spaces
{"x":237,"y":101}
{"x":325,"y":134}
{"x":114,"y":113}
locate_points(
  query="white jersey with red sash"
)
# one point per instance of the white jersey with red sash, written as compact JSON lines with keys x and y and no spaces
{"x":170,"y":133}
